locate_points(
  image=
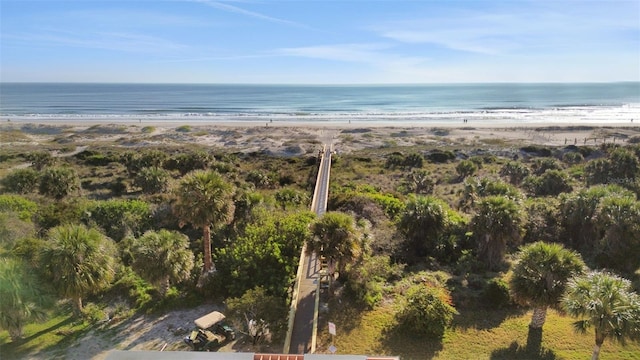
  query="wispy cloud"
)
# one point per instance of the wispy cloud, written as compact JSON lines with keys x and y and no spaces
{"x":237,"y":10}
{"x":114,"y":41}
{"x":337,"y":52}
{"x":506,"y":31}
{"x":218,"y":58}
{"x":379,"y":56}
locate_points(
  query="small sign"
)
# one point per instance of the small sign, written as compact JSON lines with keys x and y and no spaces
{"x":332,"y":328}
{"x":333,"y":349}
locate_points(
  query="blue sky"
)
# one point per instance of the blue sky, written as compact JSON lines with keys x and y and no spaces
{"x":321,"y":41}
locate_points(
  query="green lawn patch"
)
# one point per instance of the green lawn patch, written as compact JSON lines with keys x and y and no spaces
{"x":53,"y":335}
{"x":475,"y":334}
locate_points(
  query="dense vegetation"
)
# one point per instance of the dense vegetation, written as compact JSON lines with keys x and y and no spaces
{"x":427,"y":234}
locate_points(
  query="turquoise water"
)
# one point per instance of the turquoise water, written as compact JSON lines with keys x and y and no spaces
{"x":519,"y":102}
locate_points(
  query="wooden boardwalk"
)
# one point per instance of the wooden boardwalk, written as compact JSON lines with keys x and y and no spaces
{"x":301,"y":334}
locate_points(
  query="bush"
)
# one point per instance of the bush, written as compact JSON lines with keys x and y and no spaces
{"x":516,"y":171}
{"x":60,"y":212}
{"x":466,"y":168}
{"x":496,"y":293}
{"x":59,"y":182}
{"x":186,"y":162}
{"x":536,"y":150}
{"x":24,"y":208}
{"x":40,"y":159}
{"x":98,"y":160}
{"x":540,"y":166}
{"x":427,"y":311}
{"x":552,"y":182}
{"x":13,"y":229}
{"x":366,"y":279}
{"x":118,"y":186}
{"x":152,"y":180}
{"x":573,"y":158}
{"x":441,"y":157}
{"x":120,"y":218}
{"x":138,"y":161}
{"x":93,"y":313}
{"x":21,"y":181}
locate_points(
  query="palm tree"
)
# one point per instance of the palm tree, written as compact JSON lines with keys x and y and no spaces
{"x":540,"y":276}
{"x":335,"y":238}
{"x":422,"y":221}
{"x":23,"y":298}
{"x":617,"y":218}
{"x":497,"y":223}
{"x":603,"y":301}
{"x":205,"y":200}
{"x":162,"y":258}
{"x":78,"y":261}
{"x":420,"y":181}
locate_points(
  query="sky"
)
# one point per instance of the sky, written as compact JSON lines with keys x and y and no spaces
{"x":319,"y":41}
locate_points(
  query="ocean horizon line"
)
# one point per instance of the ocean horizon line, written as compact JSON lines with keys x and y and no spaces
{"x":461,"y":83}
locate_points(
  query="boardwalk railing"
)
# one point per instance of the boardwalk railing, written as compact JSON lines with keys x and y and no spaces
{"x":296,"y":288}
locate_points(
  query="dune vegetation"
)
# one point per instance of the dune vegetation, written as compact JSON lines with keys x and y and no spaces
{"x":437,"y":242}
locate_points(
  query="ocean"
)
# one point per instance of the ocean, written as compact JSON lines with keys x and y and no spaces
{"x":597,"y":103}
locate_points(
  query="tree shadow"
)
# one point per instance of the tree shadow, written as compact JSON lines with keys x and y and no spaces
{"x":516,"y":351}
{"x":65,"y":329}
{"x":50,"y":329}
{"x":484,"y":319}
{"x":534,"y":340}
{"x":531,"y":350}
{"x":407,"y":345}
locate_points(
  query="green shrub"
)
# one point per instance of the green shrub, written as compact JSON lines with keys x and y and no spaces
{"x":59,"y":182}
{"x":540,"y":166}
{"x":552,"y":182}
{"x":441,"y":157}
{"x":118,"y":186}
{"x":25,"y":208}
{"x":573,"y":158}
{"x":40,"y":159}
{"x":466,"y":168}
{"x":13,"y":228}
{"x":138,"y":161}
{"x":536,"y":150}
{"x":60,"y":212}
{"x":186,"y":162}
{"x":516,"y":171}
{"x":366,"y":279}
{"x":93,"y":313}
{"x":130,"y":283}
{"x":21,"y":181}
{"x":119,"y":218}
{"x":183,"y":128}
{"x":496,"y":293}
{"x":152,"y":180}
{"x":428,"y":310}
{"x":98,"y":160}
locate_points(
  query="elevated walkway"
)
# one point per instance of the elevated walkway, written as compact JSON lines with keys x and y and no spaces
{"x":300,"y":338}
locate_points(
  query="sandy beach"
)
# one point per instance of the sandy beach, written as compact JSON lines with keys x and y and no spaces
{"x":300,"y":137}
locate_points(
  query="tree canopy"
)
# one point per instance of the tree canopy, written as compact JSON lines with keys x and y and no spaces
{"x":605,"y":302}
{"x":78,"y":261}
{"x":540,"y":276}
